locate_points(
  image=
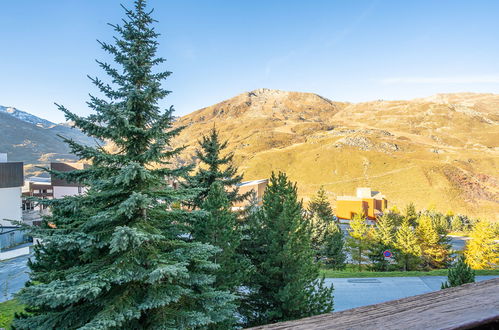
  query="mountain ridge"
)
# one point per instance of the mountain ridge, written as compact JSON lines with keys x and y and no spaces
{"x":440,"y":151}
{"x":34,"y":140}
{"x":26,"y":117}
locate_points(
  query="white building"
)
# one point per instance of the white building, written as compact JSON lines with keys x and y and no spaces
{"x":63,"y":188}
{"x":11,"y":183}
{"x":38,"y":187}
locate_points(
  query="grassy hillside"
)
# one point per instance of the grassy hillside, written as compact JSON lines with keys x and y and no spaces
{"x":440,"y":152}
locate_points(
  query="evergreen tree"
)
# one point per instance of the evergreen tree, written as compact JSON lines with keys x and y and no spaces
{"x":320,"y":206}
{"x":457,"y":224}
{"x":383,"y":238}
{"x":396,"y":217}
{"x":286,"y":283}
{"x":357,"y":243}
{"x":118,"y":256}
{"x":467,"y":222}
{"x":442,"y":223}
{"x":213,"y":168}
{"x":318,"y":230}
{"x":220,"y":229}
{"x":385,"y":230}
{"x":408,"y":250}
{"x":333,"y":249}
{"x":435,"y":250}
{"x":482,"y":250}
{"x":375,"y":253}
{"x":459,"y":274}
{"x":327,"y":238}
{"x":320,"y":215}
{"x":410,"y":214}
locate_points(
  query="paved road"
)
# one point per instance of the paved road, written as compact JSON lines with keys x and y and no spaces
{"x":356,"y":292}
{"x":13,"y":275}
{"x":458,"y":242}
{"x":348,"y":292}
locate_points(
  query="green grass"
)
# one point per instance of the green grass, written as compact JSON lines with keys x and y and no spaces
{"x":7,"y":311}
{"x":353,"y":272}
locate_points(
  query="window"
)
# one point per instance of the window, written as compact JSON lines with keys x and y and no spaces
{"x":28,"y":206}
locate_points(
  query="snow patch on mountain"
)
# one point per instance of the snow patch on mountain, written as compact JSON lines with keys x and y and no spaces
{"x":26,"y":117}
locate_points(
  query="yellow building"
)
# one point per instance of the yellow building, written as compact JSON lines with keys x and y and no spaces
{"x":367,"y":202}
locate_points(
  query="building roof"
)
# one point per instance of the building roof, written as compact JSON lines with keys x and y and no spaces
{"x":11,"y":174}
{"x":65,"y":167}
{"x":38,"y":179}
{"x":348,"y":198}
{"x":362,"y":193}
{"x":463,"y":307}
{"x":40,"y":185}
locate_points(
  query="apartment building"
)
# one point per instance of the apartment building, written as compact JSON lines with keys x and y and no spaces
{"x":63,"y":188}
{"x":366,"y":201}
{"x":39,"y":188}
{"x":11,"y":183}
{"x":257,"y":186}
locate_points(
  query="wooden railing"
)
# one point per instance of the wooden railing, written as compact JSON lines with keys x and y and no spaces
{"x":465,"y":307}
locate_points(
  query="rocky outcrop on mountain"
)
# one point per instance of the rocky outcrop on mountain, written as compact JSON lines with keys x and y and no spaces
{"x":365,"y":143}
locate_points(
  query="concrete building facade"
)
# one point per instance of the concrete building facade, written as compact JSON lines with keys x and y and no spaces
{"x":11,"y":183}
{"x":257,"y":186}
{"x":40,"y":188}
{"x":367,"y":202}
{"x":63,"y":188}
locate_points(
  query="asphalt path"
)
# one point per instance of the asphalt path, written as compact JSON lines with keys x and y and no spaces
{"x":13,"y":275}
{"x":356,"y":292}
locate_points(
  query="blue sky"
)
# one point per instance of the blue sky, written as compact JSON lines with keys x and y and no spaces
{"x":343,"y":50}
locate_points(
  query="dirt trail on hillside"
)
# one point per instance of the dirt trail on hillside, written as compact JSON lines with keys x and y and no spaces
{"x":359,"y":178}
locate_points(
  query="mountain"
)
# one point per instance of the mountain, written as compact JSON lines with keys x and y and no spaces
{"x":26,"y":117}
{"x":34,"y":140}
{"x":441,"y":151}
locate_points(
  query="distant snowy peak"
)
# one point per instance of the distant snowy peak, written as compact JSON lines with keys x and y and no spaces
{"x":26,"y":117}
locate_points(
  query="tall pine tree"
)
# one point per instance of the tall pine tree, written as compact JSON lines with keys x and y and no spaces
{"x":118,"y":256}
{"x":408,"y":253}
{"x":286,"y":283}
{"x":457,"y":224}
{"x":385,"y":229}
{"x":214,"y":167}
{"x":435,"y":250}
{"x":410,"y":214}
{"x":327,"y":238}
{"x":220,"y":228}
{"x":333,"y":250}
{"x":482,"y":250}
{"x":320,"y":205}
{"x":382,"y":239}
{"x":357,"y":242}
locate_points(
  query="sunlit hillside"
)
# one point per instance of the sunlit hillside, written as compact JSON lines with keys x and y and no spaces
{"x":441,"y":151}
